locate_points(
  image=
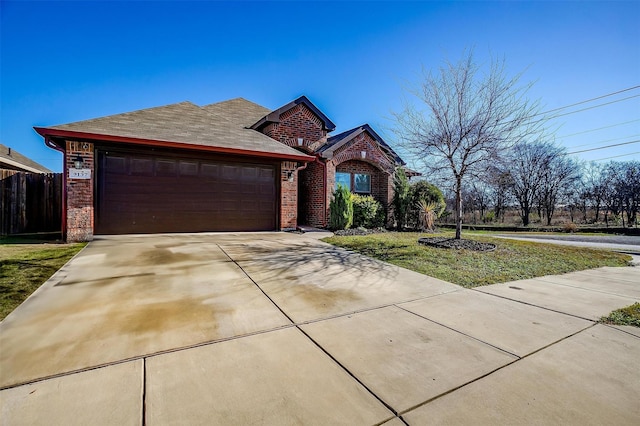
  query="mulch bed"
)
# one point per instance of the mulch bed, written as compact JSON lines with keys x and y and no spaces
{"x":452,"y":243}
{"x":358,"y":231}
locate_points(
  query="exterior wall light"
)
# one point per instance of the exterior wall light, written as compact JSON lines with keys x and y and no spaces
{"x":78,"y":162}
{"x":290,"y":176}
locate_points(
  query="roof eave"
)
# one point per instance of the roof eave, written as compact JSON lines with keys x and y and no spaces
{"x":59,"y":133}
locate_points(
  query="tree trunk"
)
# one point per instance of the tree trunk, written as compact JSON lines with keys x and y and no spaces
{"x":525,"y":216}
{"x":458,"y":209}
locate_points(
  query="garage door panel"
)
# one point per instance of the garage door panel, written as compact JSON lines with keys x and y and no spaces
{"x":144,"y":194}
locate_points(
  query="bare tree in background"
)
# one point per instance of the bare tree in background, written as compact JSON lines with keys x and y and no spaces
{"x":558,"y":177}
{"x":466,"y":119}
{"x":526,"y":170}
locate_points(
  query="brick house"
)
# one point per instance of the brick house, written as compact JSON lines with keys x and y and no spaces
{"x":228,"y":166}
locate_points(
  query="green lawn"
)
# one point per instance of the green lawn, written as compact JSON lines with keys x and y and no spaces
{"x":512,"y":260}
{"x":24,"y":267}
{"x":625,"y":316}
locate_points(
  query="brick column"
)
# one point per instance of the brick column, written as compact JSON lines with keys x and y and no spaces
{"x":79,"y":193}
{"x":288,"y":196}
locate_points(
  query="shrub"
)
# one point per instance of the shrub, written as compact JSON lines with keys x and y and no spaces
{"x":341,"y":209}
{"x":401,"y":198}
{"x":426,"y":215}
{"x":424,"y":193}
{"x":489,"y":217}
{"x":367,"y":212}
{"x":570,"y":227}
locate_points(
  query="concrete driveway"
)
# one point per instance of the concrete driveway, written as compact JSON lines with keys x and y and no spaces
{"x":275,"y":328}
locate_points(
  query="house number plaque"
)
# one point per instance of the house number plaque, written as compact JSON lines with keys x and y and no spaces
{"x":79,"y":173}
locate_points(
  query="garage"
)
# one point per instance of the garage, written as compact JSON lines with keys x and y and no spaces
{"x":178,"y":168}
{"x":138,"y":192}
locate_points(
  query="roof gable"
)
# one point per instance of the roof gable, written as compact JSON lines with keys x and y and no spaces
{"x":336,"y":142}
{"x":274,"y":116}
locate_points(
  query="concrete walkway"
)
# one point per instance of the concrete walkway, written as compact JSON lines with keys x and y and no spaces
{"x":274,"y":328}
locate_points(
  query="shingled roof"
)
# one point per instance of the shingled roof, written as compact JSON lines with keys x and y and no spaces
{"x":216,"y":127}
{"x":13,"y":160}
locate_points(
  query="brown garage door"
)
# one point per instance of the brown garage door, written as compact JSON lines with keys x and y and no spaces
{"x":138,"y":193}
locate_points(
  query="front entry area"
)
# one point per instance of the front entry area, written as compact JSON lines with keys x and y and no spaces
{"x":140,"y":193}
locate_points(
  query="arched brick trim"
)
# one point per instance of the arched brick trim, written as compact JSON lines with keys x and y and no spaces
{"x":374,"y":155}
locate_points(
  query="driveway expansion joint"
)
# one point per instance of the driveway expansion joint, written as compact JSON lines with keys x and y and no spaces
{"x":460,"y":332}
{"x":534,"y":305}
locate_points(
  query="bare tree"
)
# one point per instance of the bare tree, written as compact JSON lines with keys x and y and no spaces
{"x":498,"y":179}
{"x":527,"y":166}
{"x":465,"y":119}
{"x":596,"y":187}
{"x":558,"y":176}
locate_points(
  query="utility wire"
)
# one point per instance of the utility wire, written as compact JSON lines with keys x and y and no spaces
{"x":599,"y":128}
{"x":572,"y":112}
{"x":617,"y":156}
{"x":603,"y":147}
{"x":589,"y":100}
{"x":607,"y":140}
{"x":592,"y":107}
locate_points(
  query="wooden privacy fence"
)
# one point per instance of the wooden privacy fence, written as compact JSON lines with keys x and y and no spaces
{"x":31,"y":202}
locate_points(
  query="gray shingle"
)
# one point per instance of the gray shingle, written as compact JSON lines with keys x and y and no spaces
{"x":217,"y":125}
{"x":12,"y":159}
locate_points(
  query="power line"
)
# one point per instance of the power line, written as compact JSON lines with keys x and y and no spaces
{"x":592,"y":107}
{"x":607,"y":140}
{"x":603,"y":147}
{"x":589,"y":100}
{"x":617,"y":156}
{"x":576,"y":111}
{"x":599,"y":128}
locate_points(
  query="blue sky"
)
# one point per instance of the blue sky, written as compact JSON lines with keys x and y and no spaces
{"x":68,"y":61}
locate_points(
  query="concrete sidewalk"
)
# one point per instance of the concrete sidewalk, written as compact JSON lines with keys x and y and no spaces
{"x":276,"y":328}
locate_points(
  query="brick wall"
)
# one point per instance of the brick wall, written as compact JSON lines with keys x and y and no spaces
{"x":298,"y":122}
{"x":80,"y":214}
{"x":376,"y":163}
{"x":288,"y":196}
{"x":311,"y":208}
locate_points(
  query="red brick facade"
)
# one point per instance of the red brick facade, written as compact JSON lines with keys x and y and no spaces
{"x":288,"y":195}
{"x":79,"y":193}
{"x":311,"y":194}
{"x":305,"y":189}
{"x":298,"y":122}
{"x":316,"y":182}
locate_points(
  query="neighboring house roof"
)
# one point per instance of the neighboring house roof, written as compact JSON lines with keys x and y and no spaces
{"x":13,"y":160}
{"x":339,"y":140}
{"x":216,"y":127}
{"x":274,"y":116}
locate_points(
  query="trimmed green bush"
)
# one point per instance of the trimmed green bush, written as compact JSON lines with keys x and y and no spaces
{"x":341,"y":209}
{"x":367,"y":212}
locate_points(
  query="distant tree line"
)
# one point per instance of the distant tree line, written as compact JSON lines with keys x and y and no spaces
{"x":540,"y":178}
